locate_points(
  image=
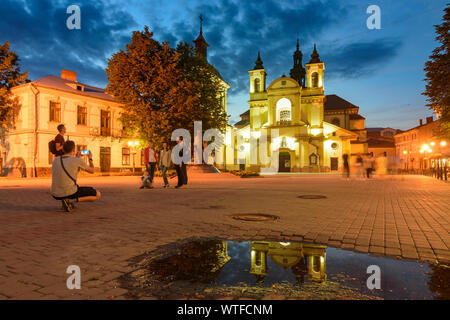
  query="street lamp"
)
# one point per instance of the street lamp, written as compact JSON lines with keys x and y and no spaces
{"x":133,"y":145}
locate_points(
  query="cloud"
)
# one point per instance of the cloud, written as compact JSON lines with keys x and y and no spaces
{"x":235,"y":30}
{"x":38,"y":33}
{"x":361,"y":59}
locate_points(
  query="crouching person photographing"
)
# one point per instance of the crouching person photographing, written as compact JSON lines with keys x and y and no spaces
{"x":64,"y":178}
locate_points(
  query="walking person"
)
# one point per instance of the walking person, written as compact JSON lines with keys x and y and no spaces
{"x":164,"y":163}
{"x":346,"y":165}
{"x":150,"y":159}
{"x":65,"y":170}
{"x":179,"y":167}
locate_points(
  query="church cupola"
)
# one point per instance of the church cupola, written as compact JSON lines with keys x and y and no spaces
{"x":258,"y":63}
{"x":298,"y":72}
{"x":201,"y":46}
{"x":315,"y":56}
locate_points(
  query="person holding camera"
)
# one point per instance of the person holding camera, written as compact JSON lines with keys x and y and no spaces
{"x":64,"y":178}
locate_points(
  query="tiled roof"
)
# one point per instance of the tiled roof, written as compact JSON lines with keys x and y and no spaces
{"x":355,"y":116}
{"x":333,"y":101}
{"x":58,"y":83}
{"x":242,"y":123}
{"x":378,"y":143}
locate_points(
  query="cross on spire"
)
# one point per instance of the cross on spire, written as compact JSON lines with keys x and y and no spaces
{"x":200,"y":43}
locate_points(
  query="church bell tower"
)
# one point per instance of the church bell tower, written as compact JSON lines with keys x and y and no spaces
{"x":314,"y":71}
{"x":201,"y":46}
{"x":257,"y":77}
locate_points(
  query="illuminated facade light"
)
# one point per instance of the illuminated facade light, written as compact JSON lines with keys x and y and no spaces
{"x":429,"y":151}
{"x":443,"y":143}
{"x":315,"y":132}
{"x":405,"y":152}
{"x":256,"y":134}
{"x":432,"y":143}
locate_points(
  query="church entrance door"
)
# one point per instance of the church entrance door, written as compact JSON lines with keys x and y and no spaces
{"x":285,"y":162}
{"x":334,"y":164}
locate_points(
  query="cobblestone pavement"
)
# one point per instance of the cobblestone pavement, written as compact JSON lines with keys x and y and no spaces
{"x":403,"y":216}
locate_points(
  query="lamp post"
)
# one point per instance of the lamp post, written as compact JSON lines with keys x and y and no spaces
{"x":133,"y":145}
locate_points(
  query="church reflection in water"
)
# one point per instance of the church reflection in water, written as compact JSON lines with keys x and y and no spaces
{"x":303,"y":259}
{"x":204,"y":260}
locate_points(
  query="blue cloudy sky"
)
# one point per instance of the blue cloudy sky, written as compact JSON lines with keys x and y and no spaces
{"x":381,"y":71}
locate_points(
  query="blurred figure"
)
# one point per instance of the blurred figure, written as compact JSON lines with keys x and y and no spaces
{"x":346,"y":165}
{"x":359,"y":166}
{"x":381,"y":165}
{"x":368,"y":165}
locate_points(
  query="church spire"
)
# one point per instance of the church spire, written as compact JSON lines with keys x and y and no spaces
{"x":201,"y":46}
{"x":258,"y":63}
{"x":315,"y":56}
{"x":298,"y":72}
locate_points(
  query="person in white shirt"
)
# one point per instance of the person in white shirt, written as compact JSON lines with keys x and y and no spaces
{"x":64,"y":178}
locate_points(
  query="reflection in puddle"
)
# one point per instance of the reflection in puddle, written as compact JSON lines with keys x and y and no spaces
{"x":254,"y":269}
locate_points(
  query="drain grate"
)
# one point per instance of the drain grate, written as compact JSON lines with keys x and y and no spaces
{"x":255,"y":217}
{"x":312,"y":196}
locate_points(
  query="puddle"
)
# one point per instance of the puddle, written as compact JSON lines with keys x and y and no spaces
{"x":255,"y":269}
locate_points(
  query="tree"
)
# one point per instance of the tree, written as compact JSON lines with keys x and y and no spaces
{"x":437,"y":72}
{"x":10,"y":76}
{"x":146,"y":80}
{"x":158,"y":88}
{"x":207,"y":85}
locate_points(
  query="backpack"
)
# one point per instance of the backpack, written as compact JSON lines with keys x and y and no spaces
{"x":52,"y":147}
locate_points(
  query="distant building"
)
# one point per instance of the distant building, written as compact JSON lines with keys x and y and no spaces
{"x":419,"y":148}
{"x":381,"y":141}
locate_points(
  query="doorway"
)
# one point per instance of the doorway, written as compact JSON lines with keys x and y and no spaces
{"x":334,"y":164}
{"x":105,"y":159}
{"x":285,"y":162}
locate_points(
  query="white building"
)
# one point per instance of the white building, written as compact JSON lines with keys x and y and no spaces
{"x":90,"y":115}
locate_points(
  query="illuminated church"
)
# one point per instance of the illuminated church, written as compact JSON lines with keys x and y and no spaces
{"x":315,"y":129}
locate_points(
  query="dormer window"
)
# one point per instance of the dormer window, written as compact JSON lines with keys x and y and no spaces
{"x":79,"y":88}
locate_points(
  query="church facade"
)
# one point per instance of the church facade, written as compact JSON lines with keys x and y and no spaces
{"x":314,"y":129}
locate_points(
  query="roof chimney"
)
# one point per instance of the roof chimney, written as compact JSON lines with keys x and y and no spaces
{"x":69,"y":75}
{"x":421,"y":122}
{"x":429,"y":120}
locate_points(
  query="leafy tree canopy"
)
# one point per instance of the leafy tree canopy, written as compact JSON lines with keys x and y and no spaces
{"x":437,"y":72}
{"x":10,"y":76}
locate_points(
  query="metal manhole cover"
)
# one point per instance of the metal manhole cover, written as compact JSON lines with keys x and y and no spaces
{"x":255,"y":217}
{"x":312,"y":196}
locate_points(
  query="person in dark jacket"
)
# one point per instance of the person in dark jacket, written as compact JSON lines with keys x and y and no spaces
{"x":181,"y":167}
{"x":59,"y":140}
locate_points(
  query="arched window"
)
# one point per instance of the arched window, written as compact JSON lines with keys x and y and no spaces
{"x":315,"y":80}
{"x":257,"y":85}
{"x":284,"y":110}
{"x":336,"y":122}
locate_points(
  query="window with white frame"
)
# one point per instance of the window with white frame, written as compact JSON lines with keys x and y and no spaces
{"x":284,"y":110}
